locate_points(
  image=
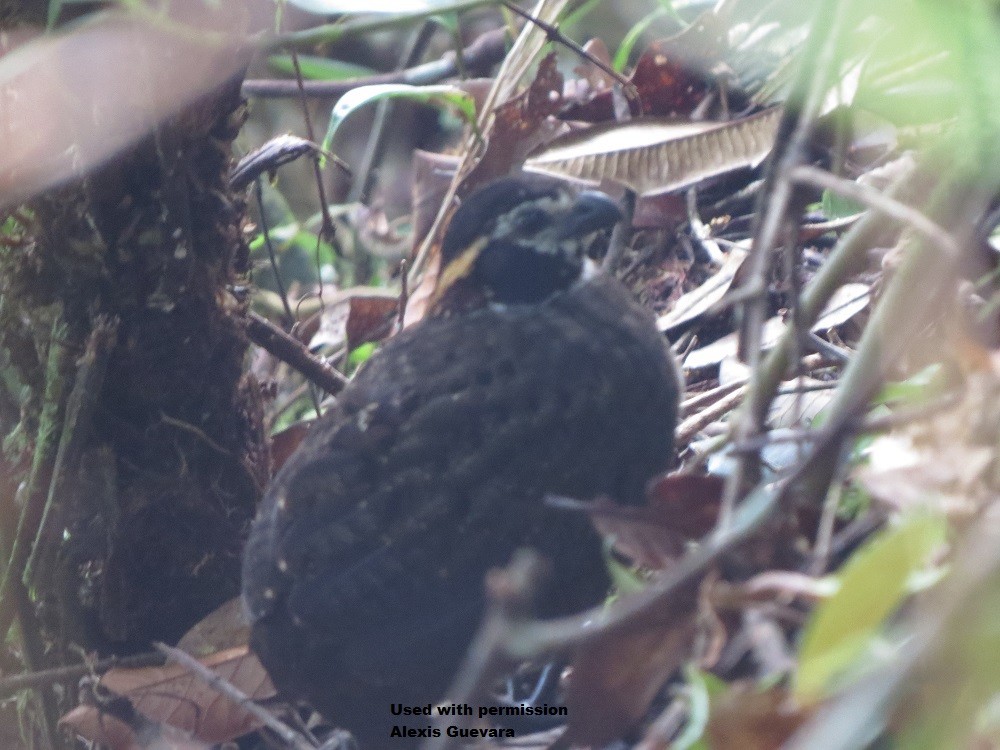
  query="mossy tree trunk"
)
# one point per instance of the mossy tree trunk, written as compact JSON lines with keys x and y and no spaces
{"x":134,"y":453}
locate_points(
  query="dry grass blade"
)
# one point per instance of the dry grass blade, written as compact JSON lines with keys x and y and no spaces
{"x":653,"y":156}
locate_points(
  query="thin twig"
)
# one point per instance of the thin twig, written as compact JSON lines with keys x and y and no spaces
{"x":697,"y":422}
{"x":700,"y":232}
{"x":375,"y":147}
{"x":32,"y":654}
{"x":812,"y":362}
{"x":509,"y":592}
{"x":876,"y":201}
{"x":326,"y":229}
{"x":404,"y":293}
{"x":70,"y":674}
{"x":335,"y":32}
{"x":294,"y":353}
{"x":515,"y":64}
{"x":271,"y":254}
{"x":922,"y":268}
{"x":710,"y":396}
{"x":907,"y":415}
{"x":485,"y":51}
{"x":828,"y":26}
{"x":555,"y":35}
{"x":288,"y":735}
{"x":824,"y":347}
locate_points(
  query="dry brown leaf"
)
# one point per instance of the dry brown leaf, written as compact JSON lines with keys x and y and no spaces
{"x":171,"y":696}
{"x":705,"y":297}
{"x":356,"y":315}
{"x":371,"y":316}
{"x":652,"y":155}
{"x":432,"y":176}
{"x":518,"y":126}
{"x":686,"y":503}
{"x":91,"y":723}
{"x":847,"y":302}
{"x":679,"y":508}
{"x":671,"y":77}
{"x":591,"y":76}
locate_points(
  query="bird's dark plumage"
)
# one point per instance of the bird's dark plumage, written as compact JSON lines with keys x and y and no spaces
{"x":363,"y":574}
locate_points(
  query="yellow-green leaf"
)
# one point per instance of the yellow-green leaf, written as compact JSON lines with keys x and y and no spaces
{"x":872,"y":585}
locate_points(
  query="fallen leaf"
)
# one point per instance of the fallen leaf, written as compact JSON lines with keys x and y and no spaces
{"x":173,"y":697}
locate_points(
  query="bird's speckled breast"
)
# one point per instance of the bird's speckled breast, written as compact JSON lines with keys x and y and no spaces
{"x":374,"y":538}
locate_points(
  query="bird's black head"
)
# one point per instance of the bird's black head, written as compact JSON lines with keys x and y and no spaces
{"x":518,"y":240}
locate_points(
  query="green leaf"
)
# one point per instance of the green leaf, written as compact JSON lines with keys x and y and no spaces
{"x":700,"y":686}
{"x":311,"y":243}
{"x":317,"y":68}
{"x":626,"y":580}
{"x":835,"y":206}
{"x":920,"y":388}
{"x":361,"y":354}
{"x":628,"y":43}
{"x":450,"y":97}
{"x":578,"y":14}
{"x":872,"y":585}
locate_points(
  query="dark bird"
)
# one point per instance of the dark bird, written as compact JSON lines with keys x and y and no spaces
{"x":363,"y":573}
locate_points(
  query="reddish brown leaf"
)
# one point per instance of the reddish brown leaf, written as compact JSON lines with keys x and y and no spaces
{"x":616,"y":677}
{"x":518,"y":126}
{"x":672,"y":75}
{"x":370,"y":316}
{"x":284,"y":443}
{"x":679,"y":509}
{"x":663,"y":211}
{"x":357,"y":314}
{"x":685,"y":503}
{"x":667,"y":84}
